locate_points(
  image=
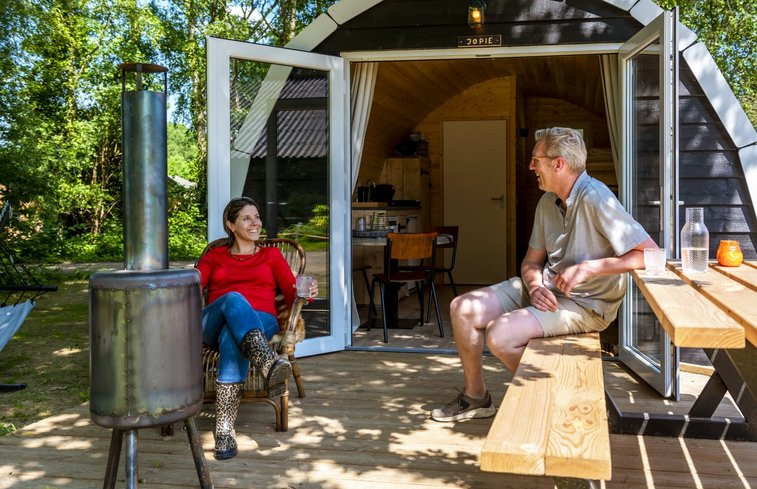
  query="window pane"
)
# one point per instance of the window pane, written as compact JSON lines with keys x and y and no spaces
{"x":279,"y":157}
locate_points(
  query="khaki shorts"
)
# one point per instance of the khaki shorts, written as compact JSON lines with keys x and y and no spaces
{"x":570,"y":318}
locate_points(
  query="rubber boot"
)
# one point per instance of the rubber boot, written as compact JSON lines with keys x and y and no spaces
{"x":227,"y":405}
{"x":275,"y":369}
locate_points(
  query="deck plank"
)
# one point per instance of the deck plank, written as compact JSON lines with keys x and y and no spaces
{"x":686,"y":316}
{"x":519,"y":448}
{"x":579,"y":445}
{"x":334,"y":442}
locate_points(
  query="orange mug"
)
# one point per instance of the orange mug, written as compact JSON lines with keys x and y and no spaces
{"x":729,"y":253}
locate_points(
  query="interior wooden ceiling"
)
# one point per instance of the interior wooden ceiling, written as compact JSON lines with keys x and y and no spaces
{"x":410,"y":90}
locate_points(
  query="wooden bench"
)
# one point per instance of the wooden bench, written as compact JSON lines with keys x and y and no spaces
{"x":553,"y":420}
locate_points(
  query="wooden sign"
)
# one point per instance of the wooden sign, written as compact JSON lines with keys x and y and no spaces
{"x":479,"y":41}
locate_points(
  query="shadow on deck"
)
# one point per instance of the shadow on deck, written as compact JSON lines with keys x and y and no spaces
{"x":363,"y":424}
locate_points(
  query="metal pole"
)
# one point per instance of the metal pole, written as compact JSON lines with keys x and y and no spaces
{"x":111,"y":471}
{"x":131,"y":459}
{"x":197,"y":454}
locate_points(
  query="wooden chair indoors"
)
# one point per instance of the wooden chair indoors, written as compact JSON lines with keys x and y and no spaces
{"x":452,"y":232}
{"x":292,"y":331}
{"x":364,"y":271}
{"x":404,"y":247}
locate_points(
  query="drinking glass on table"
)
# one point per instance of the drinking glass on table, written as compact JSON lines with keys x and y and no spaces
{"x":654,"y":261}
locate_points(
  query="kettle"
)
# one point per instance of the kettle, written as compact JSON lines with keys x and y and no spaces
{"x":360,"y":224}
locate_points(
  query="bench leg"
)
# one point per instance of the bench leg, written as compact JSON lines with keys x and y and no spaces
{"x":571,"y":483}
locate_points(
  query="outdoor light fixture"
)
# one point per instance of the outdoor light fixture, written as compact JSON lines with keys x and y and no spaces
{"x":476,"y":11}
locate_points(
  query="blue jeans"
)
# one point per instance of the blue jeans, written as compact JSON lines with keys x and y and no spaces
{"x":224,"y":323}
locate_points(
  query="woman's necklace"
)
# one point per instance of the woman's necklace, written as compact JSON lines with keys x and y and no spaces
{"x":244,"y":256}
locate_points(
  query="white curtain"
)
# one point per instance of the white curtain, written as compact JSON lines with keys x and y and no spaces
{"x":611,"y":85}
{"x":361,"y":97}
{"x":362,"y":87}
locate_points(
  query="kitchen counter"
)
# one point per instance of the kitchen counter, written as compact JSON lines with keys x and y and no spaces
{"x":381,"y":206}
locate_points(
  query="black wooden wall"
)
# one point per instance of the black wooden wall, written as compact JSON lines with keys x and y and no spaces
{"x":429,"y":24}
{"x":711,"y":175}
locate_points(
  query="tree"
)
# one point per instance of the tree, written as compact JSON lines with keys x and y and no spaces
{"x":729,"y":30}
{"x":59,"y":150}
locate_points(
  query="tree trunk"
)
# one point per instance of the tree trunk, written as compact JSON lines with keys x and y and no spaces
{"x":288,"y":13}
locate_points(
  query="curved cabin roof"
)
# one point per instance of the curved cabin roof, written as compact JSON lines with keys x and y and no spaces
{"x":376,"y":25}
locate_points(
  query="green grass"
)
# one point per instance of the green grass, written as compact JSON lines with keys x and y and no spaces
{"x":50,"y":353}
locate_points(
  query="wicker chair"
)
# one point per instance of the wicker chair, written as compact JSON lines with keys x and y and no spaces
{"x":284,"y":343}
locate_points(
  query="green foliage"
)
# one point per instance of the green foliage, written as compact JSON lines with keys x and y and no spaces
{"x":182,"y":152}
{"x":60,"y":151}
{"x":187,"y":229}
{"x":7,"y":428}
{"x":313,"y":234}
{"x":729,"y":30}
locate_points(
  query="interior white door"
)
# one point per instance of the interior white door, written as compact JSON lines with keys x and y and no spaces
{"x":258,"y":97}
{"x":474,"y":169}
{"x":648,"y":73}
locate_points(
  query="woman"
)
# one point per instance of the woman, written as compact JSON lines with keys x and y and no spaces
{"x":240,"y":317}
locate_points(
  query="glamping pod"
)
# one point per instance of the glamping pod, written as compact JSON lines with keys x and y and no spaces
{"x":413,"y":96}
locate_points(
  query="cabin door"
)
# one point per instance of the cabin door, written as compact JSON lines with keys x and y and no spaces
{"x":475,"y":181}
{"x":649,"y":78}
{"x":277,"y":132}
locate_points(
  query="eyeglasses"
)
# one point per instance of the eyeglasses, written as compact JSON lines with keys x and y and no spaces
{"x":552,"y":131}
{"x":535,"y":159}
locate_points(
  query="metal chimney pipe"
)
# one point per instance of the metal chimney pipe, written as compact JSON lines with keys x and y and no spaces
{"x":145,"y":321}
{"x":145,"y":192}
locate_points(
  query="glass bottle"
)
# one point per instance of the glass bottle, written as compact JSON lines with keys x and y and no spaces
{"x":695,"y":242}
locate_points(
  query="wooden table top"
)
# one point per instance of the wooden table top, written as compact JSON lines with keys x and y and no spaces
{"x":715,"y":309}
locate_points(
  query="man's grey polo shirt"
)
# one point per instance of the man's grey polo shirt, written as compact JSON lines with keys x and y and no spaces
{"x":593,"y":225}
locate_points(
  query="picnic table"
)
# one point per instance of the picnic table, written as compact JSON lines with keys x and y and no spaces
{"x":715,"y":311}
{"x":552,"y":421}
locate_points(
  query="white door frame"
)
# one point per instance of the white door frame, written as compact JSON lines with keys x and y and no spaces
{"x":220,"y":51}
{"x":664,"y":378}
{"x":475,"y":53}
{"x":495,"y":52}
{"x":340,"y":198}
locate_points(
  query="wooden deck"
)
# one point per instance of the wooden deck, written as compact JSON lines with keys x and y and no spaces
{"x":365,"y":424}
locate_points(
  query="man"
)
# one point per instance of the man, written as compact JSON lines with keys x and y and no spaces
{"x":581,"y":244}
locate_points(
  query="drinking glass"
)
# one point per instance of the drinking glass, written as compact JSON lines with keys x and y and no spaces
{"x":303,"y":285}
{"x":654,"y":261}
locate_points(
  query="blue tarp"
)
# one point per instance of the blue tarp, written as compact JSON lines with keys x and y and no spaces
{"x":11,"y":319}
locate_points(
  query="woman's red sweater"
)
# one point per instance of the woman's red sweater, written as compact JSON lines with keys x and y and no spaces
{"x":257,"y":277}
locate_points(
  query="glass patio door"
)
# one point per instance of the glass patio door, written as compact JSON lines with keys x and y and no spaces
{"x":649,"y":78}
{"x":277,"y":126}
